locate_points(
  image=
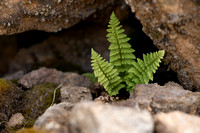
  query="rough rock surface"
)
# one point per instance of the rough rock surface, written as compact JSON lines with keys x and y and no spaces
{"x":10,"y":94}
{"x":45,"y":75}
{"x":101,"y":118}
{"x":75,"y":94}
{"x":55,"y":119}
{"x":49,"y":15}
{"x":173,"y":25}
{"x":166,"y":98}
{"x":176,"y":122}
{"x":16,"y":120}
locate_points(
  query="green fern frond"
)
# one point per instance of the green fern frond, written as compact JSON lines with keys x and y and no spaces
{"x":121,"y":53}
{"x":91,"y":76}
{"x":143,"y":70}
{"x":106,"y":74}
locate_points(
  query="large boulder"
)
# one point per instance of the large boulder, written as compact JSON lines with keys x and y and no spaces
{"x":174,"y":26}
{"x":48,"y":15}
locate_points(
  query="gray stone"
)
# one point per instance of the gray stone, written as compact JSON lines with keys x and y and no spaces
{"x":16,"y":120}
{"x":173,"y":25}
{"x":176,"y":122}
{"x":166,"y":98}
{"x":74,"y":94}
{"x":100,"y":118}
{"x":45,"y":75}
{"x":55,"y":118}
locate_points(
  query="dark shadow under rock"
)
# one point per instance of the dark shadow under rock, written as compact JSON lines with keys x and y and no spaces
{"x":66,"y":51}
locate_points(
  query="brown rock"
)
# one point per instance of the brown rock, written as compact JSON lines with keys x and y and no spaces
{"x":176,"y":122}
{"x":166,"y":98}
{"x":22,"y":15}
{"x":174,"y":26}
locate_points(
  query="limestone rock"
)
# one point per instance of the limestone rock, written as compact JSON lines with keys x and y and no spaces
{"x":173,"y":25}
{"x":100,"y":118}
{"x":176,"y":122}
{"x":170,"y":97}
{"x":75,"y":94}
{"x":55,"y":119}
{"x":51,"y":16}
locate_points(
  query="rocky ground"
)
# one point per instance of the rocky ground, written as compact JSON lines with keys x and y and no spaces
{"x":58,"y":102}
{"x":42,"y":88}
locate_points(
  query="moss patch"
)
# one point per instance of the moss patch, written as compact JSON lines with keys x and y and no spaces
{"x":4,"y":85}
{"x":37,"y":100}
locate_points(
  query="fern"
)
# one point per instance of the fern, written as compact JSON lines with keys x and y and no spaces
{"x":91,"y":76}
{"x":143,"y":70}
{"x":107,"y":75}
{"x":123,"y":70}
{"x":121,"y":53}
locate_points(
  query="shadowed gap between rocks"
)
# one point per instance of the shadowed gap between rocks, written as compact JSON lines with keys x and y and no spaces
{"x":139,"y":41}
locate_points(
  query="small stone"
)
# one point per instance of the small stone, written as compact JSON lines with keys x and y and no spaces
{"x":91,"y":117}
{"x":176,"y":122}
{"x":75,"y":94}
{"x":16,"y":120}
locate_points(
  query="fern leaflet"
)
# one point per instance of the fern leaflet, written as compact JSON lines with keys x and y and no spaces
{"x":106,"y":74}
{"x":121,"y":53}
{"x":143,"y":70}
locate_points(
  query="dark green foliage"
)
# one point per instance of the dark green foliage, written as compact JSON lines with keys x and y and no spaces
{"x":143,"y":70}
{"x":107,"y":75}
{"x":91,"y":76}
{"x":123,"y":70}
{"x":121,"y":53}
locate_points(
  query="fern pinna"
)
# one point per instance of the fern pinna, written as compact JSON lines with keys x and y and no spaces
{"x":107,"y":75}
{"x":121,"y":53}
{"x":143,"y":70}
